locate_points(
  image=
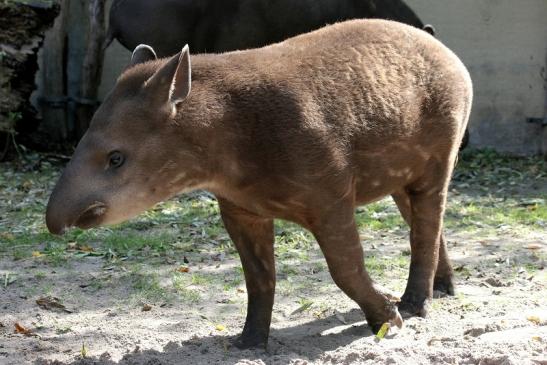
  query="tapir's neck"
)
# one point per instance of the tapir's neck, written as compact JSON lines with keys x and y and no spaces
{"x":208,"y":134}
{"x":219,"y":119}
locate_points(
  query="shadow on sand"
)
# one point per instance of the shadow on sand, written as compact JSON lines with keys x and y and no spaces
{"x":304,"y":341}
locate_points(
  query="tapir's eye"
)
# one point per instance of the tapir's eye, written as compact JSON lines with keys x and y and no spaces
{"x":116,"y":159}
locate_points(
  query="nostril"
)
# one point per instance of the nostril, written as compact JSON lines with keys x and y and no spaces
{"x":96,"y":208}
{"x":91,"y":215}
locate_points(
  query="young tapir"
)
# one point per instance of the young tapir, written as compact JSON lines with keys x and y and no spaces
{"x":304,"y":130}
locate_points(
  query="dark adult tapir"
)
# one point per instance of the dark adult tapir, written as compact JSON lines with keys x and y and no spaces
{"x":227,"y":25}
{"x":304,"y":130}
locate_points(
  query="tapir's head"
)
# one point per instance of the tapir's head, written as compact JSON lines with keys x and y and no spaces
{"x":123,"y":164}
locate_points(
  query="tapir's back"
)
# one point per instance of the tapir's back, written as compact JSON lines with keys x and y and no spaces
{"x":355,"y":96}
{"x":373,"y":76}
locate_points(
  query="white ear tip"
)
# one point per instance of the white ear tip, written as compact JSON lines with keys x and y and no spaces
{"x":146,"y":47}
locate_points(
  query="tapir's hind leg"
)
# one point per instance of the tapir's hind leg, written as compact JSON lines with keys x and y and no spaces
{"x":444,"y":275}
{"x":337,"y":235}
{"x":427,"y":198}
{"x":253,"y":237}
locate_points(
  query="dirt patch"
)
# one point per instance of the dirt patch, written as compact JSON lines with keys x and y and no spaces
{"x":482,"y":324}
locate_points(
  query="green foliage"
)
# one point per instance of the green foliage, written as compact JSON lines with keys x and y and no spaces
{"x":378,"y":266}
{"x":382,"y":215}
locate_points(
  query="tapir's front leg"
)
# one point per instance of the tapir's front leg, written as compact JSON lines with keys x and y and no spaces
{"x":253,"y":237}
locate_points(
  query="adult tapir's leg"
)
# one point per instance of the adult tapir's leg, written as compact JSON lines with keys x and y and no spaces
{"x":337,"y":235}
{"x":444,"y":275}
{"x":427,"y":202}
{"x":253,"y":237}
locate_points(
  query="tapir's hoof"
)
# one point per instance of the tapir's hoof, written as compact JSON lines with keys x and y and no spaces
{"x":245,"y":342}
{"x":443,"y":287}
{"x":412,"y":306}
{"x":396,"y":321}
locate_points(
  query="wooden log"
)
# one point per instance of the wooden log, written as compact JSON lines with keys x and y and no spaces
{"x":53,"y":78}
{"x":91,"y":68}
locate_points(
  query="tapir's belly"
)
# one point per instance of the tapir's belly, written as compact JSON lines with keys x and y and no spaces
{"x":371,"y":176}
{"x":387,"y":171}
{"x":372,"y":187}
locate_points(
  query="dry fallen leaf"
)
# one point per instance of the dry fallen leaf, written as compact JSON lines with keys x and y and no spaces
{"x":534,"y":246}
{"x":534,"y":319}
{"x":183,"y":269}
{"x":52,"y":303}
{"x":22,"y":330}
{"x":220,"y":327}
{"x":37,"y":254}
{"x":320,"y":314}
{"x":85,"y":248}
{"x":146,"y":308}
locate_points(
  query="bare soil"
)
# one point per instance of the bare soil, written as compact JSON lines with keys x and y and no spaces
{"x":498,"y":317}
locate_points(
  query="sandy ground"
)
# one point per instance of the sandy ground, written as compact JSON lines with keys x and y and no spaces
{"x":499,"y":315}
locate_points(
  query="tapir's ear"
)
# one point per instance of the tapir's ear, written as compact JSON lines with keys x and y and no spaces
{"x":182,"y":81}
{"x":429,"y":29}
{"x":175,"y":77}
{"x":143,"y":53}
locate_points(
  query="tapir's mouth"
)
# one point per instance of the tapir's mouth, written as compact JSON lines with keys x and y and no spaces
{"x":91,"y":216}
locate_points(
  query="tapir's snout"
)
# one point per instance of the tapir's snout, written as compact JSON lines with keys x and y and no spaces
{"x":65,"y":210}
{"x":55,"y":226}
{"x":61,"y":216}
{"x":55,"y":221}
{"x":56,"y":214}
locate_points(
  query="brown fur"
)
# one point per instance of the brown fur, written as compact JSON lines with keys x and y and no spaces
{"x":304,"y":130}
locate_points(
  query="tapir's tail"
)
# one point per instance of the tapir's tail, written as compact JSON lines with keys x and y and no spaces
{"x":109,"y":38}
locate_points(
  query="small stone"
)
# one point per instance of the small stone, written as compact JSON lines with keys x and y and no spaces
{"x":494,"y":282}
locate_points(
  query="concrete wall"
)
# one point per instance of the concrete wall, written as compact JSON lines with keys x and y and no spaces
{"x":504,"y":45}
